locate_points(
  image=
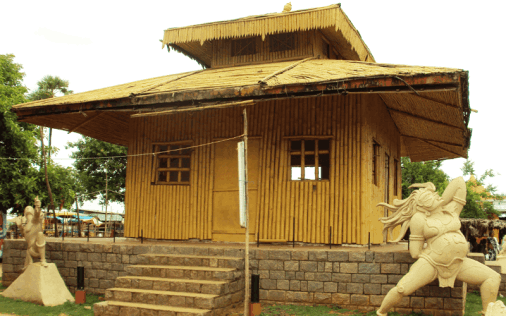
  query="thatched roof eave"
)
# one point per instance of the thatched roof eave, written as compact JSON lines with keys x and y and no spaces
{"x":428,"y":105}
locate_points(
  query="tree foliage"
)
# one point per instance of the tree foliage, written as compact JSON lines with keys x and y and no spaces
{"x":421,"y":172}
{"x":21,"y":180}
{"x":92,"y":172}
{"x":48,"y":87}
{"x":17,"y":140}
{"x":430,"y":171}
{"x":476,"y":204}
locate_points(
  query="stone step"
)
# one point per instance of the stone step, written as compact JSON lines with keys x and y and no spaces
{"x":192,"y":260}
{"x":184,"y":272}
{"x":168,"y":298}
{"x":126,"y":308}
{"x":180,"y":285}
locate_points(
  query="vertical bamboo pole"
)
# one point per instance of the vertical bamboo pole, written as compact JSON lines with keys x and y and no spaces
{"x":260,"y":131}
{"x":286,"y":174}
{"x":211,"y":179}
{"x":299,"y":200}
{"x":141,"y":204}
{"x":319,"y":228}
{"x":333,"y":162}
{"x":342,"y":140}
{"x":354,"y":172}
{"x":277,"y":169}
{"x":269,"y":177}
{"x":136,"y":181}
{"x":246,"y":251}
{"x":263,"y":162}
{"x":348,"y":175}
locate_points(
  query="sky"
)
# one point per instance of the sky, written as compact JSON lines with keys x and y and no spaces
{"x":98,"y":44}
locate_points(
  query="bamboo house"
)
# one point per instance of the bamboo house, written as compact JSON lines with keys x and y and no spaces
{"x":327,"y":127}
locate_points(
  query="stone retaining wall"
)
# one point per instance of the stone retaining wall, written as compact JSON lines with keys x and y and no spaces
{"x":351,"y":279}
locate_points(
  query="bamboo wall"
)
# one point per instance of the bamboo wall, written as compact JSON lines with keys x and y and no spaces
{"x":222,"y":51}
{"x":378,"y":126}
{"x":340,"y":205}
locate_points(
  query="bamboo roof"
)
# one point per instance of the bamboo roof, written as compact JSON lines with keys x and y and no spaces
{"x":429,"y":105}
{"x":194,"y":41}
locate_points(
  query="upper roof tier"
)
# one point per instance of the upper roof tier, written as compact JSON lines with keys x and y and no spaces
{"x":330,"y":24}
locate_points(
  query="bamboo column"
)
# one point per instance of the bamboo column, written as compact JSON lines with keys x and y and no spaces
{"x":246,"y":253}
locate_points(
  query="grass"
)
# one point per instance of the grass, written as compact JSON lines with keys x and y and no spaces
{"x":295,"y":310}
{"x":7,"y":305}
{"x":18,"y":307}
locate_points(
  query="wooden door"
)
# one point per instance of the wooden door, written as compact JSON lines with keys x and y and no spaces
{"x":226,"y":226}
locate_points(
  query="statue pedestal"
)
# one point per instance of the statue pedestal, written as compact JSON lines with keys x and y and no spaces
{"x":40,"y":285}
{"x":496,"y":309}
{"x":501,"y":260}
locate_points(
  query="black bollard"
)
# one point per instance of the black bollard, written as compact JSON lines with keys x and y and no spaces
{"x":255,"y":288}
{"x":80,"y":278}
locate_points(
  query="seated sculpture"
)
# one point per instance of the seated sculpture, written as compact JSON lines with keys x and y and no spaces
{"x":31,"y":224}
{"x":435,"y":220}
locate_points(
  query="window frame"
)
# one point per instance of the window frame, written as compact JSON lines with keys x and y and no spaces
{"x":286,"y":41}
{"x":178,"y":154}
{"x":302,"y":153}
{"x":250,"y":41}
{"x":375,"y":161}
{"x":396,"y":176}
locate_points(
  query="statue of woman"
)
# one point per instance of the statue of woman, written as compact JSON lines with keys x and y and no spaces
{"x":435,"y":220}
{"x":34,"y":234}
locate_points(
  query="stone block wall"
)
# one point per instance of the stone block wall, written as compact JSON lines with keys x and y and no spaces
{"x":351,"y":279}
{"x":102,"y":263}
{"x":354,"y":280}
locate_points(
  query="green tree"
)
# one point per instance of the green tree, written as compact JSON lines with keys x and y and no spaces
{"x":21,"y":179}
{"x":92,"y":172}
{"x":421,"y":172}
{"x":48,"y":87}
{"x":18,"y":183}
{"x":476,"y":206}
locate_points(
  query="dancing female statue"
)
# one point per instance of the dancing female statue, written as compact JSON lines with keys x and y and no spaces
{"x":435,"y":220}
{"x":34,"y":235}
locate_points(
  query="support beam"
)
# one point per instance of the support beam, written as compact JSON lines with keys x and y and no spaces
{"x":195,"y":108}
{"x":432,"y":140}
{"x":89,"y":119}
{"x":425,"y":119}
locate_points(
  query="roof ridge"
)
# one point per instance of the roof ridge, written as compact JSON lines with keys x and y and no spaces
{"x":257,"y":17}
{"x":264,"y":80}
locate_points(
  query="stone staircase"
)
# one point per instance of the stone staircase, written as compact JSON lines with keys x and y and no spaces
{"x":176,"y":285}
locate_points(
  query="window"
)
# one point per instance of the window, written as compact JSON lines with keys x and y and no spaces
{"x":396,"y":177}
{"x":310,"y":159}
{"x":281,"y":42}
{"x":387,"y":179}
{"x":244,"y":46}
{"x":375,"y":157}
{"x":173,"y":163}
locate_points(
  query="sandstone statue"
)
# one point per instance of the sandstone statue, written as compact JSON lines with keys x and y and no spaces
{"x":31,"y":225}
{"x":40,"y":283}
{"x":435,"y":220}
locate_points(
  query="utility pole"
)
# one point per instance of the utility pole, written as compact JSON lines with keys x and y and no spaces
{"x":246,"y":250}
{"x":106,"y":201}
{"x":47,"y":180}
{"x":78,"y":220}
